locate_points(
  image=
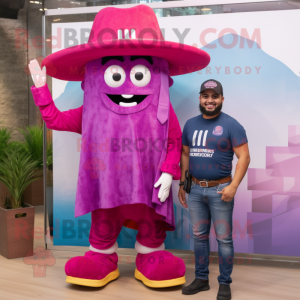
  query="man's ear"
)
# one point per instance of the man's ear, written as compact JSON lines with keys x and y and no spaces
{"x":171,"y":81}
{"x":82,"y":85}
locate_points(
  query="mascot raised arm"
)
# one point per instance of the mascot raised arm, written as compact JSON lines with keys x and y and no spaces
{"x":125,"y":71}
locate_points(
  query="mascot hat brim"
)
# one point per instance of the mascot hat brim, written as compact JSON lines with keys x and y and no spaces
{"x":121,"y":32}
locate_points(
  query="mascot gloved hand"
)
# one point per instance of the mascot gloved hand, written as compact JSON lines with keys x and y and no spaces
{"x":125,"y":71}
{"x":165,"y":181}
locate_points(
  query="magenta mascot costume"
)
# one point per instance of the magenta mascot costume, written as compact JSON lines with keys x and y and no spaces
{"x":125,"y":71}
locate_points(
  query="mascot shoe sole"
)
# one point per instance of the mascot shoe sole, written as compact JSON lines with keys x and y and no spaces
{"x":94,"y":283}
{"x":158,"y":283}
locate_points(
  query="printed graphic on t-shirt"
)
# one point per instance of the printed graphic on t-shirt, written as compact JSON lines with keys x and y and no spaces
{"x":199,"y":137}
{"x":211,"y":143}
{"x":218,"y":130}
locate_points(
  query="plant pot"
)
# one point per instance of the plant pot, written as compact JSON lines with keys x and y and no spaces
{"x":16,"y":234}
{"x":34,"y":193}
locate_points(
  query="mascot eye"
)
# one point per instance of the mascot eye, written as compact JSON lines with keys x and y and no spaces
{"x":114,"y":76}
{"x":140,"y":75}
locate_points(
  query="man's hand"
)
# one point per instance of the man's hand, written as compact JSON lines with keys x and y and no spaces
{"x":228,"y":193}
{"x":38,"y":75}
{"x":181,"y":196}
{"x":165,"y":180}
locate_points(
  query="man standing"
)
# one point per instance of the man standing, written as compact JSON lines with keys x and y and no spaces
{"x":209,"y":142}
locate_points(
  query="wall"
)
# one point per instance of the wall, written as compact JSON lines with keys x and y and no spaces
{"x":17,"y":108}
{"x":13,"y":80}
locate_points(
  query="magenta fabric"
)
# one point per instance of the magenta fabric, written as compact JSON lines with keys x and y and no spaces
{"x":125,"y":172}
{"x":71,"y":120}
{"x":132,"y":171}
{"x":164,"y":97}
{"x":160,"y":265}
{"x":92,"y":265}
{"x":170,"y":165}
{"x":42,"y":96}
{"x":55,"y":119}
{"x":68,"y":64}
{"x":107,"y":224}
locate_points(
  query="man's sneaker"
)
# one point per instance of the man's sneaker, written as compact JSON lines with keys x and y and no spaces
{"x":198,"y":285}
{"x":224,"y":292}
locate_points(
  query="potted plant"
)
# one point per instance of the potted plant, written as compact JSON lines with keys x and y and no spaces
{"x":4,"y":140}
{"x":5,"y":136}
{"x":17,"y":171}
{"x":33,"y":146}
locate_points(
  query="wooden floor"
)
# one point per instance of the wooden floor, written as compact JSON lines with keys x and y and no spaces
{"x":257,"y":281}
{"x":17,"y":281}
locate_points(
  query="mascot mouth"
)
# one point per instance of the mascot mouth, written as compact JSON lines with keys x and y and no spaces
{"x":127,"y":100}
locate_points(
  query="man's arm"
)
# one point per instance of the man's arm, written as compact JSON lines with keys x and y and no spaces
{"x":184,"y":165}
{"x":242,"y":153}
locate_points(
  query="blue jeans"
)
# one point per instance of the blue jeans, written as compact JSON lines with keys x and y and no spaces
{"x":204,"y":204}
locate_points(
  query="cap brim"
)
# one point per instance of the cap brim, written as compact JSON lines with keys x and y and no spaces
{"x":212,"y":90}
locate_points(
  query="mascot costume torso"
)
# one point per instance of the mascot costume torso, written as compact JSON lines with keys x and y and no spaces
{"x":131,"y":140}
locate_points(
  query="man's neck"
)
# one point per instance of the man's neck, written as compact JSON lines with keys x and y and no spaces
{"x":210,"y":117}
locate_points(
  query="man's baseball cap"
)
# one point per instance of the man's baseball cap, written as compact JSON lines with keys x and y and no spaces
{"x":212,"y":84}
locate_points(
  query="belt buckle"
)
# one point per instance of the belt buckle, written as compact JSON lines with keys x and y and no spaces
{"x":205,"y":182}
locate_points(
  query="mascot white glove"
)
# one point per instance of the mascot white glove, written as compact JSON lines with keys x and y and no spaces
{"x":38,"y":75}
{"x":165,"y":180}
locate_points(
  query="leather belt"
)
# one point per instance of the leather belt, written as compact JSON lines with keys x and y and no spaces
{"x":210,"y":183}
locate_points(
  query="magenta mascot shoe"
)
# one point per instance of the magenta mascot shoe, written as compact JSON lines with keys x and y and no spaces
{"x":93,"y":269}
{"x":160,"y":269}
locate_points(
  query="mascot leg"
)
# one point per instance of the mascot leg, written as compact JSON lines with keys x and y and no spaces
{"x":98,"y":266}
{"x":156,"y":267}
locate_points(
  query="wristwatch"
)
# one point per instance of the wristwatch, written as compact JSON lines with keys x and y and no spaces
{"x":181,"y":183}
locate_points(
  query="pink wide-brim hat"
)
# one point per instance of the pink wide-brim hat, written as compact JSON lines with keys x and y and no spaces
{"x":120,"y":32}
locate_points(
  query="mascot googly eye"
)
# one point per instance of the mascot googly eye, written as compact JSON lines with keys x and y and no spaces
{"x":140,"y":75}
{"x":114,"y":76}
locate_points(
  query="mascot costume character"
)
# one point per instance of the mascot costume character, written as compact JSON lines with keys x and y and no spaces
{"x":125,"y":71}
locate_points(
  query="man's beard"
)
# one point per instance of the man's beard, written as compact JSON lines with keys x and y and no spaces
{"x":210,"y":113}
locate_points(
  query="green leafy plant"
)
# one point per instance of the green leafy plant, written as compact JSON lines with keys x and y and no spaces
{"x":15,"y":145}
{"x":33,"y":144}
{"x":49,"y":155}
{"x":7,"y":203}
{"x":17,"y":172}
{"x":5,"y":136}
